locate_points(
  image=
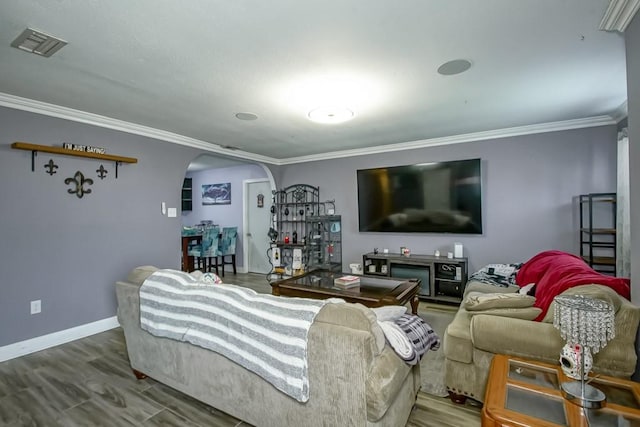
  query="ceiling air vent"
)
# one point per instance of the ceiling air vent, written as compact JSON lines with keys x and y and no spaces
{"x":38,"y":42}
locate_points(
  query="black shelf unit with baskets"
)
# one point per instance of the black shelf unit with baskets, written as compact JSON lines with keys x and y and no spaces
{"x":598,"y":231}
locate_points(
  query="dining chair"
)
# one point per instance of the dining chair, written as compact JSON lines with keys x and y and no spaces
{"x":206,"y":253}
{"x":227,"y":247}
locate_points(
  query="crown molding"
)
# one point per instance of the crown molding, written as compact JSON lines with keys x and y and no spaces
{"x":621,"y":112}
{"x":459,"y":139}
{"x":43,"y":108}
{"x":619,"y":15}
{"x":33,"y":106}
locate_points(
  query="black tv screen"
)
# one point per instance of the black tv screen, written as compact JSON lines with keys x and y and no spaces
{"x":441,"y":197}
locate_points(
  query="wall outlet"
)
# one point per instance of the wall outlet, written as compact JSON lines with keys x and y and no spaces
{"x":36,"y":306}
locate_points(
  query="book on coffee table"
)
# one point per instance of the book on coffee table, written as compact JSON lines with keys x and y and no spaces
{"x":346,"y":282}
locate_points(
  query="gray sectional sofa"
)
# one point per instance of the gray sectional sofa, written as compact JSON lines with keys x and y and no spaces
{"x":355,"y":379}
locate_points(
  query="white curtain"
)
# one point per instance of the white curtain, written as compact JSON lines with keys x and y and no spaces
{"x":623,"y":225}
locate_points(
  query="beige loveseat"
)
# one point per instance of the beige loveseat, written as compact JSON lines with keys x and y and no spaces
{"x":355,"y":379}
{"x":474,"y":337}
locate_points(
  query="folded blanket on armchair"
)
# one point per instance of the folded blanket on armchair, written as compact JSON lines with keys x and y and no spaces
{"x":554,"y":272}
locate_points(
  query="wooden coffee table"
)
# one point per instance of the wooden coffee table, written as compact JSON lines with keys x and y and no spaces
{"x":372,"y":292}
{"x":522,"y":392}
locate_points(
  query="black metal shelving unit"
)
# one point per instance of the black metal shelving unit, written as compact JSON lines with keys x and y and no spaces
{"x":301,"y":221}
{"x":598,"y":231}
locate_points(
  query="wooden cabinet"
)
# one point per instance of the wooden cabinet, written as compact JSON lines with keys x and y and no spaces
{"x":443,"y":279}
{"x":187,"y":195}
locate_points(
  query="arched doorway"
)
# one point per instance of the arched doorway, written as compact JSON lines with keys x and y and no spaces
{"x":208,"y":170}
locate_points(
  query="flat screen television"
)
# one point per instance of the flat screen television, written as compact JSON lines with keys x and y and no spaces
{"x":440,"y":197}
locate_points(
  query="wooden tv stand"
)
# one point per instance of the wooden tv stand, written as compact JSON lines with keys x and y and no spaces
{"x":443,"y":279}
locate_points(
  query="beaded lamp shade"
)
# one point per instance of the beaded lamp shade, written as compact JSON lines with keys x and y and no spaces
{"x":583,"y":320}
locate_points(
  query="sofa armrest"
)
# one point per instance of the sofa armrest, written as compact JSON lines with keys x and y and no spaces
{"x":516,"y":337}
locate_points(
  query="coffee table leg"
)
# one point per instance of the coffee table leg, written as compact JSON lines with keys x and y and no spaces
{"x":275,"y":290}
{"x":414,"y":304}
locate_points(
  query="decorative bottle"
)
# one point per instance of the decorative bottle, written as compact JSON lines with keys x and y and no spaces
{"x":295,"y":236}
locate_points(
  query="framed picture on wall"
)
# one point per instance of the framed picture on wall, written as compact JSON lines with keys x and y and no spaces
{"x":216,"y":194}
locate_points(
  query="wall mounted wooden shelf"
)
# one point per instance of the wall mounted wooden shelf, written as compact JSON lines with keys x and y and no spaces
{"x":34,"y":148}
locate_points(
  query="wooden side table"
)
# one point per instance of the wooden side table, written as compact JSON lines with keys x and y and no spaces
{"x":522,"y":392}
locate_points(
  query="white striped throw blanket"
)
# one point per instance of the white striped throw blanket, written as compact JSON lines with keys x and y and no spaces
{"x":263,"y":333}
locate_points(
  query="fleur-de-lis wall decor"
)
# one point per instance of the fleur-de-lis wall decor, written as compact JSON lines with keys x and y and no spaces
{"x":80,"y":181}
{"x":102,"y":172}
{"x":51,"y":167}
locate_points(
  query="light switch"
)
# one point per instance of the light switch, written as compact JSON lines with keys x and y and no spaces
{"x":172,"y":212}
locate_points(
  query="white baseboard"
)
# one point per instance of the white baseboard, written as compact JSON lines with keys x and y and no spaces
{"x":43,"y":342}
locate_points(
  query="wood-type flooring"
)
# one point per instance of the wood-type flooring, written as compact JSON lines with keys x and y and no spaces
{"x":88,"y":382}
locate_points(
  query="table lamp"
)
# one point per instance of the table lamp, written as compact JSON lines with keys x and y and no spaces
{"x":587,"y":324}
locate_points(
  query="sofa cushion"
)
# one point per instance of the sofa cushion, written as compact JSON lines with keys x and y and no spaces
{"x":475,"y":286}
{"x":527,"y":313}
{"x":480,"y":301}
{"x":139,"y":274}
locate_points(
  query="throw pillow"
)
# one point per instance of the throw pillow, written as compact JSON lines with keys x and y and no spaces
{"x":502,"y":275}
{"x":477,"y":302}
{"x":389,"y":312}
{"x":528,"y":313}
{"x":211,"y":278}
{"x":205,"y":278}
{"x":197,"y":275}
{"x":527,"y":289}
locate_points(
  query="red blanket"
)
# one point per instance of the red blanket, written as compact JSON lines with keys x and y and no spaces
{"x":553,"y":272}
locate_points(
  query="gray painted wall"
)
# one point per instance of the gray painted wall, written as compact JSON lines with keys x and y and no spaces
{"x":69,"y":252}
{"x":223,"y":215}
{"x":529,"y":186}
{"x":632,"y":40}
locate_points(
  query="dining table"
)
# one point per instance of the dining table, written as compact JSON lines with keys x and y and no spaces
{"x":187,"y":261}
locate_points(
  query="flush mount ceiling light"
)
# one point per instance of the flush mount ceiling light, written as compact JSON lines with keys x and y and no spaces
{"x":246,"y":116}
{"x":330,"y":115}
{"x":456,"y":66}
{"x":38,"y":43}
{"x":330,"y":97}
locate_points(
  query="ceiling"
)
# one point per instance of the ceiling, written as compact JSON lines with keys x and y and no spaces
{"x":184,"y":69}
